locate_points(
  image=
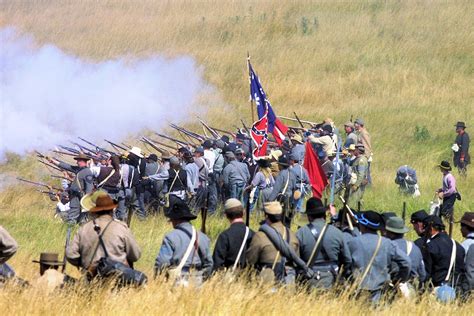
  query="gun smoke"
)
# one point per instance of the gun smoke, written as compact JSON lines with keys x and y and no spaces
{"x":49,"y":97}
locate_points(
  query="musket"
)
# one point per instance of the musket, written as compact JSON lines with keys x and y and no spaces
{"x":147,"y":142}
{"x":115,"y":145}
{"x":186,"y":138}
{"x":39,"y":155}
{"x":245,"y":127}
{"x":295,"y":120}
{"x":156,"y":142}
{"x":298,"y":119}
{"x":97,"y":147}
{"x":64,"y":153}
{"x":197,"y":136}
{"x":38,"y":184}
{"x":50,"y":165}
{"x":71,"y":150}
{"x":404,"y":210}
{"x":177,"y":141}
{"x":213,"y":132}
{"x":450,"y":227}
{"x":60,"y":177}
{"x":223,"y":131}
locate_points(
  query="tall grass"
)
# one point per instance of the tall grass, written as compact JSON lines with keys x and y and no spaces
{"x":397,"y":64}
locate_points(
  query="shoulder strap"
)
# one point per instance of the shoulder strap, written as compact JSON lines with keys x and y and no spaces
{"x":317,"y":246}
{"x":188,"y":250}
{"x":244,"y":242}
{"x":277,"y":257}
{"x":409,"y":247}
{"x":174,"y":180}
{"x":100,"y":241}
{"x":452,"y":261}
{"x":287,"y":182}
{"x":371,"y":262}
{"x":106,"y":179}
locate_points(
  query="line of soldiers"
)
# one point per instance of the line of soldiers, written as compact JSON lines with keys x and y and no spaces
{"x":366,"y":249}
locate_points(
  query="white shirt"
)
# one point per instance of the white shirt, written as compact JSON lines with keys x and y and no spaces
{"x":211,"y":157}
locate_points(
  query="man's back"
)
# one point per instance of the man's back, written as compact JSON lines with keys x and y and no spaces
{"x":228,"y":246}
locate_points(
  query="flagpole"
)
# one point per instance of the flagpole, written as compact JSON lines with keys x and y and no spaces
{"x":250,"y":82}
{"x":334,"y":174}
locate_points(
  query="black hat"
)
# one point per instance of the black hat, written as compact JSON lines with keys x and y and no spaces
{"x":153,"y":157}
{"x":460,"y":124}
{"x":418,"y":216}
{"x":387,"y":215}
{"x":207,"y":143}
{"x":187,"y":154}
{"x":283,"y":161}
{"x":225,"y":139}
{"x":179,"y":210}
{"x":183,"y":149}
{"x":263,"y":163}
{"x":434,"y":221}
{"x":327,"y":128}
{"x":445,"y":165}
{"x":315,"y":207}
{"x":370,"y":219}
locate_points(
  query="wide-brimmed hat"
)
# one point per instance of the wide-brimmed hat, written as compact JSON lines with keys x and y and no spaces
{"x":396,"y":225}
{"x":349,"y":124}
{"x":315,"y":207}
{"x":460,"y":124}
{"x":273,"y":208}
{"x":136,"y":151}
{"x":283,"y":161}
{"x":82,"y":156}
{"x":445,"y":165}
{"x":468,"y":219}
{"x":49,"y":258}
{"x":275,"y":154}
{"x":179,"y":210}
{"x":166,"y":155}
{"x":370,"y":219}
{"x":263,"y":163}
{"x":297,"y":138}
{"x":88,"y":201}
{"x":103,"y":203}
{"x":387,"y":215}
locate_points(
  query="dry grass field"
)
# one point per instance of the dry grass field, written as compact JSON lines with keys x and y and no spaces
{"x":397,"y":64}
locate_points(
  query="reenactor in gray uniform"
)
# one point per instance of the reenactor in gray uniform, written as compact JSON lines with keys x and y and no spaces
{"x":235,"y":176}
{"x":374,"y":258}
{"x":322,"y":246}
{"x":394,"y":230}
{"x":359,"y":180}
{"x":8,"y":248}
{"x":85,"y":250}
{"x":303,"y":185}
{"x":185,"y":253}
{"x":82,"y":184}
{"x":285,"y":185}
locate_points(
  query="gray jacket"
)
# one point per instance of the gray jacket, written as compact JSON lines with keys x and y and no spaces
{"x":334,"y":250}
{"x":235,"y":172}
{"x":280,"y":182}
{"x":362,"y":249}
{"x":174,"y":247}
{"x":301,"y":178}
{"x":8,"y":245}
{"x":417,"y":264}
{"x":299,"y":151}
{"x":470,"y":267}
{"x":83,"y":183}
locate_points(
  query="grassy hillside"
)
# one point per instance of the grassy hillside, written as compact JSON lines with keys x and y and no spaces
{"x":397,"y":64}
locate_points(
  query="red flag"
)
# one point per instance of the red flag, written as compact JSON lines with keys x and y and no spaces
{"x":317,"y":177}
{"x":260,"y":137}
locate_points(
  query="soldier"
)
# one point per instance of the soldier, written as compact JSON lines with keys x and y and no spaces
{"x":8,"y":248}
{"x":467,"y":231}
{"x":407,"y":181}
{"x":298,"y":150}
{"x":211,"y":157}
{"x":137,"y":160}
{"x":108,"y":179}
{"x":351,"y":136}
{"x":185,"y":253}
{"x":303,"y":185}
{"x":235,"y":176}
{"x":325,"y":140}
{"x":82,"y":184}
{"x":50,"y":278}
{"x":394,"y":230}
{"x":437,"y":253}
{"x":177,"y":182}
{"x":359,"y":180}
{"x":448,"y":192}
{"x":231,"y":245}
{"x":218,"y":168}
{"x":374,"y":257}
{"x":263,"y":255}
{"x":262,"y":183}
{"x":363,"y":137}
{"x":416,"y":220}
{"x":461,"y":149}
{"x":285,"y":185}
{"x":322,"y":246}
{"x":85,"y":250}
{"x":192,"y":172}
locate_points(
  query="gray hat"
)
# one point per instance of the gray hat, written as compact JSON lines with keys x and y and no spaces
{"x":174,"y":161}
{"x":239,"y":151}
{"x":199,"y":150}
{"x":349,"y":124}
{"x":229,"y":155}
{"x":220,"y":144}
{"x":396,"y":225}
{"x":359,"y":121}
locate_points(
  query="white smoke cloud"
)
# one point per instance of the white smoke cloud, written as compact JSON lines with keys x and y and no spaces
{"x":48,"y":97}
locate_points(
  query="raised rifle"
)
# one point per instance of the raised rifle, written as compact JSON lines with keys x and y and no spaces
{"x":191,"y":134}
{"x":177,"y":141}
{"x":298,"y":119}
{"x":404,"y":210}
{"x":40,"y":184}
{"x":71,"y":150}
{"x":223,"y":131}
{"x":212,"y":131}
{"x":146,"y":141}
{"x":451,"y":222}
{"x":98,"y":148}
{"x":295,"y":120}
{"x":117,"y":147}
{"x":153,"y":143}
{"x":50,"y":165}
